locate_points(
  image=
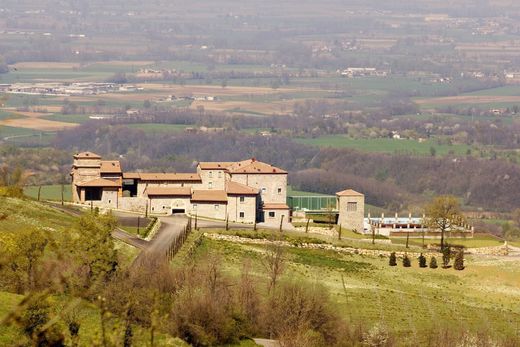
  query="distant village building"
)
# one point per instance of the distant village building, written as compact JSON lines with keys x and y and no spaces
{"x":352,"y":72}
{"x":244,"y":191}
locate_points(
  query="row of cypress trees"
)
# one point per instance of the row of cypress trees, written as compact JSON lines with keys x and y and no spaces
{"x":446,"y":257}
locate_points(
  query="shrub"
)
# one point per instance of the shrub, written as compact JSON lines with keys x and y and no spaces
{"x":378,"y":336}
{"x":459,"y":260}
{"x":433,"y":263}
{"x":406,"y":261}
{"x":422,"y":261}
{"x":393,"y":259}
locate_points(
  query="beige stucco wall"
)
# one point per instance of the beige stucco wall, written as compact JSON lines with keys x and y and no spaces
{"x":133,"y":204}
{"x":141,"y":186}
{"x":213,"y":179}
{"x":166,"y":204}
{"x":277,"y":216}
{"x":208,"y":210}
{"x":271,"y":183}
{"x":109,"y":199}
{"x":352,"y":220}
{"x":248,"y":206}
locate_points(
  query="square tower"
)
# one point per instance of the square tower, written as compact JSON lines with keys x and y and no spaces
{"x":351,"y":207}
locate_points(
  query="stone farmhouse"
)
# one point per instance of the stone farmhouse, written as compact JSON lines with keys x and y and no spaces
{"x":247,"y":191}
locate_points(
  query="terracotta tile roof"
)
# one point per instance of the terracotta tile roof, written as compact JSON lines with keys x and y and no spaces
{"x":234,"y":188}
{"x":215,"y":165}
{"x":169,"y":177}
{"x":349,"y":192}
{"x":110,"y":166}
{"x":101,"y":183}
{"x":131,"y":175}
{"x":209,"y":196}
{"x":164,"y":191}
{"x":86,"y":155}
{"x":252,"y":166}
{"x":274,"y":206}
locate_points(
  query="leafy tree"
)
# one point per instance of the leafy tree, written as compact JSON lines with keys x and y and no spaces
{"x":433,"y":263}
{"x":442,"y":214}
{"x":406,"y":261}
{"x":96,"y":246}
{"x":459,"y":260}
{"x":393,"y":259}
{"x":422,"y":261}
{"x":34,"y":322}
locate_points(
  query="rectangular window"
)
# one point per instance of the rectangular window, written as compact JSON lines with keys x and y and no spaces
{"x":279,"y":191}
{"x":351,"y":206}
{"x":210,"y":185}
{"x":194,"y":206}
{"x":242,"y":214}
{"x":219,"y":174}
{"x":242,"y":199}
{"x":264,"y":190}
{"x":271,"y":214}
{"x":210,"y":174}
{"x":216,"y":207}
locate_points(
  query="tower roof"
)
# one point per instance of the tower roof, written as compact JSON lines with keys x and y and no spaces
{"x":87,"y":155}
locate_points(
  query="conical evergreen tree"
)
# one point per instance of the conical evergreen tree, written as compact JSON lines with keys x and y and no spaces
{"x":433,"y":263}
{"x":459,"y":260}
{"x":406,"y":261}
{"x":446,"y":256}
{"x":422,"y":261}
{"x":393,"y":259}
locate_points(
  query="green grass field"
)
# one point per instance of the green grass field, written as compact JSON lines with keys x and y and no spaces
{"x":159,"y":128}
{"x":69,"y":118}
{"x":385,"y":145}
{"x":50,"y":192}
{"x":410,"y":301}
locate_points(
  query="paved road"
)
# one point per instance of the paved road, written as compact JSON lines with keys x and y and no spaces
{"x":171,"y":228}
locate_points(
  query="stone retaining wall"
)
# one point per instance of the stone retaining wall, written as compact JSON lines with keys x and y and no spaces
{"x":323,"y":246}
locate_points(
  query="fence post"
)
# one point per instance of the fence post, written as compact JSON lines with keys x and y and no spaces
{"x":281,"y":222}
{"x":39,"y":191}
{"x":307,"y":225}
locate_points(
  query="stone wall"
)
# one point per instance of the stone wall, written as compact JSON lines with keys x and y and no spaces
{"x":214,"y":210}
{"x":248,"y":207}
{"x":133,"y":204}
{"x":271,"y":183}
{"x":348,"y":217}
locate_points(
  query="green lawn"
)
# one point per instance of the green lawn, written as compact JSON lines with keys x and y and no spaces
{"x":480,"y":240}
{"x":382,"y":145}
{"x":159,"y":128}
{"x":50,"y":192}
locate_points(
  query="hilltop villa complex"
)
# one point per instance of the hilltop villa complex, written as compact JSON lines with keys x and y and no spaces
{"x":244,"y":191}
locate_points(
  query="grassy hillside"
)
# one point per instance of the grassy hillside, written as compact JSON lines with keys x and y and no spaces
{"x":409,"y":301}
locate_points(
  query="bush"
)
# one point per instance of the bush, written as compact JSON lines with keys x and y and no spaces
{"x":459,"y":260}
{"x":393,"y":259}
{"x":422,"y":261}
{"x":406,"y":261}
{"x":433,"y":263}
{"x":302,"y":315}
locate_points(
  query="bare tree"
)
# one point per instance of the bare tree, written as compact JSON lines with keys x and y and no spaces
{"x":274,"y":262}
